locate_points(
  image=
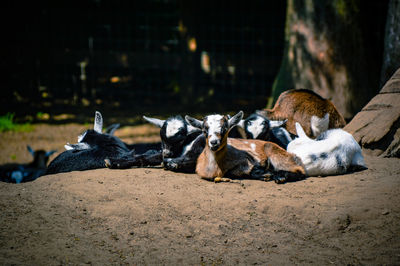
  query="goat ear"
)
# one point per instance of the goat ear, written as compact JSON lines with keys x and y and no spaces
{"x":191,"y":129}
{"x":262,"y":113}
{"x":194,"y":122}
{"x":325,"y":120}
{"x":31,"y":151}
{"x":277,"y":123}
{"x":155,"y":121}
{"x":319,"y":125}
{"x":300,"y":131}
{"x":49,"y":153}
{"x":111,"y":129}
{"x":98,"y":122}
{"x":234,"y":120}
{"x":241,"y":123}
{"x":68,"y":146}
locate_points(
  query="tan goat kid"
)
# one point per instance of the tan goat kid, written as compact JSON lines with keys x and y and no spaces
{"x":314,"y":113}
{"x":224,"y":158}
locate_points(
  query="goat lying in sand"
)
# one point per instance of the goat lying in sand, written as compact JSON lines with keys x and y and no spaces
{"x":89,"y":153}
{"x":225,"y":157}
{"x":18,"y":173}
{"x":331,"y":153}
{"x":307,"y":108}
{"x":181,"y":145}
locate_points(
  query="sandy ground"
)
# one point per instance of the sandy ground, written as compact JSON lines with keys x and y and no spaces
{"x":152,"y":216}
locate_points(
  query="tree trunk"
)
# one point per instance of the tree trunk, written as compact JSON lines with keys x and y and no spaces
{"x":391,"y":53}
{"x":324,"y":52}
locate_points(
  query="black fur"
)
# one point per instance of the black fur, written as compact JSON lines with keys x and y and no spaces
{"x":174,"y":154}
{"x":313,"y":157}
{"x":268,"y":133}
{"x":148,"y":158}
{"x":341,"y":164}
{"x":323,"y":155}
{"x":100,"y":147}
{"x":278,"y":136}
{"x":186,"y":162}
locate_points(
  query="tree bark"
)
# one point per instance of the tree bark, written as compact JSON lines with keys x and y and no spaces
{"x":324,"y":52}
{"x":391,"y":53}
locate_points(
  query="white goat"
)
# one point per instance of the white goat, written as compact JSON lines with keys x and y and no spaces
{"x":332,"y":152}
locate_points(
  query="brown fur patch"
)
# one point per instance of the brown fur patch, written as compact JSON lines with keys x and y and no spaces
{"x":299,"y":105}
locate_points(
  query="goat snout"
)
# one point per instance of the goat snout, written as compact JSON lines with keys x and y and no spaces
{"x":214,"y":144}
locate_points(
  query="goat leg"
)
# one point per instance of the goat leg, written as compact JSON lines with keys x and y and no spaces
{"x":281,"y":176}
{"x":149,"y":158}
{"x":261,"y":173}
{"x":181,"y":164}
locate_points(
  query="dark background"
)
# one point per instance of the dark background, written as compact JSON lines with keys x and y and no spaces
{"x":129,"y":58}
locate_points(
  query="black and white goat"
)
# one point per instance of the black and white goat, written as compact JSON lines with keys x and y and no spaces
{"x":333,"y":152}
{"x":89,"y":153}
{"x":259,"y":127}
{"x":18,"y":173}
{"x":180,"y":142}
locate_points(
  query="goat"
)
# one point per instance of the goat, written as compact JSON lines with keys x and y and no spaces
{"x":181,"y":145}
{"x":17,"y":173}
{"x":225,"y":157}
{"x":305,"y":107}
{"x":259,"y":127}
{"x":89,"y":153}
{"x":139,"y":148}
{"x":331,"y":153}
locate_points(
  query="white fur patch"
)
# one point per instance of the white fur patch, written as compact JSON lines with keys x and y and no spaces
{"x":319,"y":125}
{"x":256,"y":127}
{"x":188,"y":147}
{"x":214,"y":126}
{"x":253,"y":146}
{"x":212,"y":162}
{"x":332,"y":155}
{"x":78,"y":146}
{"x":68,"y":147}
{"x":173,"y":127}
{"x":80,"y":137}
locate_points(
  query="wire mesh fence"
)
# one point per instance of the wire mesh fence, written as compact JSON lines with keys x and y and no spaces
{"x":147,"y":56}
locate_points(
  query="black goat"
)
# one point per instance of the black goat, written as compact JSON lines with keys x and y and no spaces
{"x":259,"y":127}
{"x":181,"y":145}
{"x":18,"y":173}
{"x":89,"y":153}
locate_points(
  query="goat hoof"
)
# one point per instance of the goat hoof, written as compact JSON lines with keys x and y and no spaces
{"x":222,"y":179}
{"x":170,"y":165}
{"x":279,"y":180}
{"x":107,"y":163}
{"x":267,"y":177}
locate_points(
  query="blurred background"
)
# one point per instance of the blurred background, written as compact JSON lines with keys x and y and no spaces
{"x":61,"y":61}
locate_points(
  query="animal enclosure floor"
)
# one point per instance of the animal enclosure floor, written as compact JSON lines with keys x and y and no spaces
{"x":153,"y":216}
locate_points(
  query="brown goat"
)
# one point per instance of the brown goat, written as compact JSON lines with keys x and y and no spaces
{"x":307,"y":108}
{"x":237,"y":158}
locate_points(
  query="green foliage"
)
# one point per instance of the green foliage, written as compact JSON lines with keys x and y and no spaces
{"x":346,"y":9}
{"x":7,"y":124}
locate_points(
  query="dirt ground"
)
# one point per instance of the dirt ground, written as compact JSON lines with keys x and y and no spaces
{"x":153,"y":216}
